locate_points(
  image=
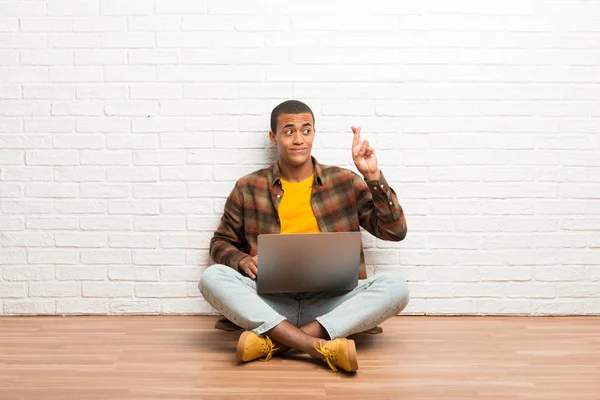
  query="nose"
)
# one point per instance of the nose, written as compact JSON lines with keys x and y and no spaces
{"x":298,"y":139}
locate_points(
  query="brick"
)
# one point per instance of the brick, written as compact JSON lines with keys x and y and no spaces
{"x":54,"y":289}
{"x":27,"y":174}
{"x":187,"y":206}
{"x":102,"y":24}
{"x":76,"y":74}
{"x":46,"y":91}
{"x":12,"y":157}
{"x":21,"y":108}
{"x":102,"y":125}
{"x":45,"y":24}
{"x":153,"y":56}
{"x":11,"y":190}
{"x":159,"y":190}
{"x":27,"y":239}
{"x":12,"y":223}
{"x":92,"y":206}
{"x":52,"y":190}
{"x":178,"y":274}
{"x":107,"y":289}
{"x":9,"y":57}
{"x":185,"y":141}
{"x":154,"y":23}
{"x":111,"y":157}
{"x":187,"y":241}
{"x":46,"y":57}
{"x":185,"y":7}
{"x":105,"y":223}
{"x":136,"y":40}
{"x":25,"y":206}
{"x":13,"y":289}
{"x":186,"y":306}
{"x":73,"y":8}
{"x":51,"y":157}
{"x":132,"y":174}
{"x":531,"y":290}
{"x":81,"y":273}
{"x":453,"y":274}
{"x":126,"y":7}
{"x":82,"y":306}
{"x":557,"y":307}
{"x":133,"y":207}
{"x":81,"y":239}
{"x":159,"y":157}
{"x":504,"y":306}
{"x":134,"y":273}
{"x":52,"y":223}
{"x":100,"y":57}
{"x":26,"y":142}
{"x":104,"y":91}
{"x":160,"y":290}
{"x":131,"y":108}
{"x":208,"y":189}
{"x":130,"y":74}
{"x":156,"y":91}
{"x":107,"y":191}
{"x":27,"y":273}
{"x":79,"y":174}
{"x":158,"y":257}
{"x":156,"y":125}
{"x":135,"y":306}
{"x":578,"y":289}
{"x":29,"y":307}
{"x":134,"y":240}
{"x":134,"y":142}
{"x":105,"y":257}
{"x":53,"y":256}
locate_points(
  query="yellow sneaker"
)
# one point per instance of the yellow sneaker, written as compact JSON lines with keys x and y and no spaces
{"x":251,"y":346}
{"x":340,"y":353}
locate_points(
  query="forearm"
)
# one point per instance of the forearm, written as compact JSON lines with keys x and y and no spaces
{"x":223,"y":252}
{"x":381,"y":212}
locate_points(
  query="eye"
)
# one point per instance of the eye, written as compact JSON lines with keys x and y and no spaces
{"x":307,"y":131}
{"x":287,"y":132}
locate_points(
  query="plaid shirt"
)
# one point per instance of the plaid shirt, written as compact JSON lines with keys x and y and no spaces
{"x":341,"y":201}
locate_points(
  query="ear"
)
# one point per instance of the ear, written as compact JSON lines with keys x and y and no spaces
{"x":272,"y":138}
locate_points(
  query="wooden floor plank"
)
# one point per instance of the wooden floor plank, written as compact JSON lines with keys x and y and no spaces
{"x":184,"y":357}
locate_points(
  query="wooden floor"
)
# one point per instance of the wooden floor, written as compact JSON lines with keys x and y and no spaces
{"x":47,"y":358}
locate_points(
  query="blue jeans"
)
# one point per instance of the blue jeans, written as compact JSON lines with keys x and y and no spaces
{"x":374,"y":300}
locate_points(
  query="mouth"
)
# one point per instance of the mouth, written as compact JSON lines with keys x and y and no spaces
{"x":298,"y":151}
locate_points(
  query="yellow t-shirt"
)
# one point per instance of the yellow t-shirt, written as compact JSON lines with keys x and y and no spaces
{"x":295,"y":212}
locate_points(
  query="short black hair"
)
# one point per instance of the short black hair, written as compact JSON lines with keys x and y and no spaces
{"x":289,"y":107}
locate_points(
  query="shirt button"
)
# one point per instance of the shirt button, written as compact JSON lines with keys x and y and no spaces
{"x":375,"y":187}
{"x":382,"y":186}
{"x":278,"y":196}
{"x":391,"y":203}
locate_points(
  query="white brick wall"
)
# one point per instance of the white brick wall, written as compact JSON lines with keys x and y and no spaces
{"x":125,"y":123}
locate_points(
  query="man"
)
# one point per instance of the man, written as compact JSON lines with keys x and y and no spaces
{"x":299,"y":195}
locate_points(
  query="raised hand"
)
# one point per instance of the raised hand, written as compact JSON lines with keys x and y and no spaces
{"x":364,"y":156}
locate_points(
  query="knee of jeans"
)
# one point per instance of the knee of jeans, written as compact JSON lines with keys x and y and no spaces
{"x":211,"y":277}
{"x":398,"y":289}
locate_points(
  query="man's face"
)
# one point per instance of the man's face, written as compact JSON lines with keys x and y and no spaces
{"x":294,"y":138}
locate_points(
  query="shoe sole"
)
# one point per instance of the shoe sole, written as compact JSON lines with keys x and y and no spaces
{"x":352,"y":356}
{"x":241,"y":344}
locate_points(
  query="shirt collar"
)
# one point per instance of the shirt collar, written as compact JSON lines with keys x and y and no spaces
{"x":275,"y":174}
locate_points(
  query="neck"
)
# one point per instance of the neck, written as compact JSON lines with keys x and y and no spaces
{"x":296,"y":174}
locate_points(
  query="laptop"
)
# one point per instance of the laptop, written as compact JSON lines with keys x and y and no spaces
{"x":308,"y":262}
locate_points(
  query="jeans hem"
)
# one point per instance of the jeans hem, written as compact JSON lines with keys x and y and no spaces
{"x":267,"y":326}
{"x":332,"y":333}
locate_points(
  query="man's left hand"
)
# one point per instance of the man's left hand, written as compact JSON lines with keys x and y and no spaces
{"x":364,"y":157}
